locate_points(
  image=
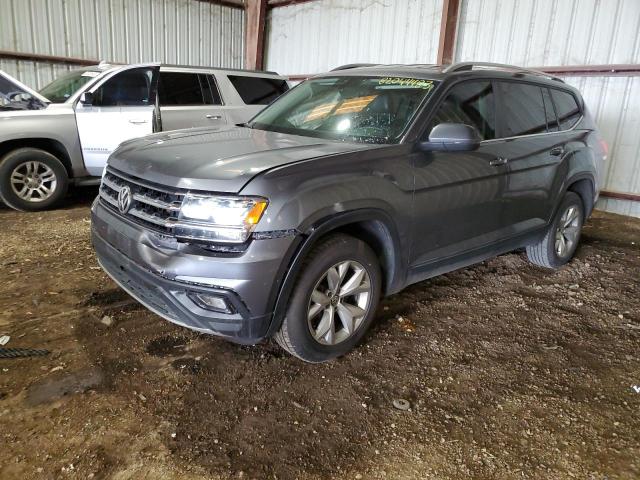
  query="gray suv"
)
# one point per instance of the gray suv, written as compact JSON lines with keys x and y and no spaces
{"x":353,"y":185}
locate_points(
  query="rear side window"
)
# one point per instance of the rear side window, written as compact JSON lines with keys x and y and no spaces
{"x":523,"y":110}
{"x":567,"y":108}
{"x":552,"y":120}
{"x":258,"y":90}
{"x":177,"y":88}
{"x":471,"y":103}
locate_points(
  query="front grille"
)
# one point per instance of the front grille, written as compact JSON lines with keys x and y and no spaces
{"x":152,"y":206}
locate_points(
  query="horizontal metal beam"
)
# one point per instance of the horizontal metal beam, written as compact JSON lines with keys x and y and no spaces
{"x":611,"y":70}
{"x":634,"y":197}
{"x":286,"y":3}
{"x":228,"y":3}
{"x":37,"y":57}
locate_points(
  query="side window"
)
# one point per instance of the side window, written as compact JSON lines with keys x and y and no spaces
{"x":210,"y":90}
{"x":258,"y":90}
{"x":177,"y":88}
{"x":523,"y":111}
{"x":567,"y":108}
{"x":128,"y":88}
{"x":471,"y":103}
{"x":552,"y":120}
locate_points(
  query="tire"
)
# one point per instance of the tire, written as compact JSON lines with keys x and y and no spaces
{"x":355,"y":264}
{"x":545,"y":253}
{"x":32,"y":179}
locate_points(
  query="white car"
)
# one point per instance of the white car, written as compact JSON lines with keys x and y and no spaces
{"x":63,"y":134}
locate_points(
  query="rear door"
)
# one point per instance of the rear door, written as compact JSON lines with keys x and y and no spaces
{"x":189,"y":99}
{"x":458,"y":195}
{"x":533,"y":147}
{"x":122,"y":108}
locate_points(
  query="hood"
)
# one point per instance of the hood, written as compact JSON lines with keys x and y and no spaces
{"x":15,"y":95}
{"x":218,"y":160}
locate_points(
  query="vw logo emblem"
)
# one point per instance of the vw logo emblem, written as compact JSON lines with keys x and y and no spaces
{"x":124,"y":199}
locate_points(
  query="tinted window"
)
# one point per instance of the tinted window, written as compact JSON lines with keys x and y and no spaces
{"x":210,"y":90}
{"x":552,"y":120}
{"x":177,"y":88}
{"x":258,"y":91}
{"x":523,"y":110}
{"x":471,"y":103}
{"x":566,"y":108}
{"x":129,"y":88}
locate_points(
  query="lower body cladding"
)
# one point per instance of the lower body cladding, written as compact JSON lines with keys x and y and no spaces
{"x":231,"y":295}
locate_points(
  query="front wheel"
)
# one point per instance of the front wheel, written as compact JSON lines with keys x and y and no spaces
{"x":561,"y":241}
{"x":333,"y":302}
{"x":32,"y":179}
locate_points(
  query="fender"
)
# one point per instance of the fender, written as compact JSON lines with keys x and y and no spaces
{"x":305,"y":241}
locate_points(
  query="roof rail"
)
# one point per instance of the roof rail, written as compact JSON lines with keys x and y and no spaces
{"x":354,"y":65}
{"x":465,"y":66}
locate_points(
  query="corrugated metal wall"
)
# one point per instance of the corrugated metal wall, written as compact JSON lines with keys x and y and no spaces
{"x":125,"y":31}
{"x":317,"y":36}
{"x":571,"y":32}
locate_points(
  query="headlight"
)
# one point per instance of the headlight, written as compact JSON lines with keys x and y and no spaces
{"x":219,"y":219}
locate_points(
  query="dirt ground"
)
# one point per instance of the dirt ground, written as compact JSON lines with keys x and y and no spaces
{"x":510,"y":371}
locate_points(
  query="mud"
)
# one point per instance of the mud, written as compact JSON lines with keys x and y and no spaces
{"x":511,"y":371}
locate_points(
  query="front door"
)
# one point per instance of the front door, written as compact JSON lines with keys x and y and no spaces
{"x":121,"y":108}
{"x":189,"y":99}
{"x":458,"y":203}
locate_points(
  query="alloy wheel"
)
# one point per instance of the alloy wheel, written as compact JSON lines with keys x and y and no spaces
{"x":339,"y":303}
{"x":33,"y":181}
{"x":567,"y":231}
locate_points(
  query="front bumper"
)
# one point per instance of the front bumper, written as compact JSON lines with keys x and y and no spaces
{"x":161,"y":274}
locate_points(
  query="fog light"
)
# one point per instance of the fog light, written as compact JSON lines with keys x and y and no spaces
{"x":211,"y":302}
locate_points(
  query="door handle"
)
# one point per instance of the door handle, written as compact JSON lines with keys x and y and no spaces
{"x":556,"y":151}
{"x":498,"y":161}
{"x":137,"y":122}
{"x":213,"y":117}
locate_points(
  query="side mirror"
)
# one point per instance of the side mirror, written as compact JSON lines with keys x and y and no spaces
{"x":86,"y":99}
{"x":452,"y":137}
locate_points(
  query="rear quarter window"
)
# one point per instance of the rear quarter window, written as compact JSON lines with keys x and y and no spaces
{"x":567,"y":108}
{"x":258,"y":90}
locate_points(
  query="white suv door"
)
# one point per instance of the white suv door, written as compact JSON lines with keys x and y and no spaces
{"x":118,"y":109}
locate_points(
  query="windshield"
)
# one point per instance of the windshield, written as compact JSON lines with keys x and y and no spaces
{"x":65,"y":86}
{"x":14,"y":97}
{"x":361,"y":109}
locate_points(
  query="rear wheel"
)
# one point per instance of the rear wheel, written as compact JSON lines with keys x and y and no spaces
{"x":561,"y":241}
{"x":333,"y":302}
{"x":32,"y":179}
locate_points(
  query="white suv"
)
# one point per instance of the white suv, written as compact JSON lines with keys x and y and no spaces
{"x":64,"y":133}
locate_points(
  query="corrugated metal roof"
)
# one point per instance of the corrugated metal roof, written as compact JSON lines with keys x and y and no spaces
{"x":317,"y":36}
{"x":124,"y":31}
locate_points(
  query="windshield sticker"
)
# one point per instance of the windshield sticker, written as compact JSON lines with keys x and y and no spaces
{"x":90,"y":74}
{"x":407,"y":82}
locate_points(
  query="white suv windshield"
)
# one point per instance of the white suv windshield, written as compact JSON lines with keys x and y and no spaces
{"x":62,"y":88}
{"x":361,"y":109}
